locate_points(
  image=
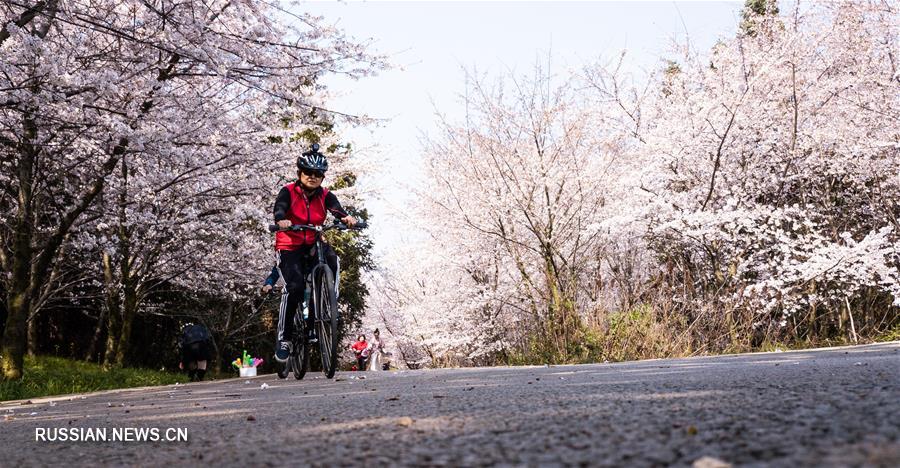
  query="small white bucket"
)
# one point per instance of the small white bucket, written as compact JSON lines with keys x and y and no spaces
{"x":248,"y":372}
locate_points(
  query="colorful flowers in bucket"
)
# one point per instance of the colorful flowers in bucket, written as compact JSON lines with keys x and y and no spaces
{"x":246,"y":365}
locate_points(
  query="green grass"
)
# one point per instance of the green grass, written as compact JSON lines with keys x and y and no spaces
{"x":891,"y":335}
{"x":46,"y":375}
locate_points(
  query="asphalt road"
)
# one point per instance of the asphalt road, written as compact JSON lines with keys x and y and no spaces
{"x":834,"y":407}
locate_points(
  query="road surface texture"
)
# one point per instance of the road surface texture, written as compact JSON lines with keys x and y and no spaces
{"x":833,"y":407}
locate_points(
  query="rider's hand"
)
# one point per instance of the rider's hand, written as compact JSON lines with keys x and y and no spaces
{"x":350,"y":221}
{"x":284,"y":223}
{"x":265,"y":289}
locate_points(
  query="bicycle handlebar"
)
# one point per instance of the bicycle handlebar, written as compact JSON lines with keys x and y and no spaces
{"x":311,"y":227}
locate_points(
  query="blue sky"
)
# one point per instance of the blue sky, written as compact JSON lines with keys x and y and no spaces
{"x":430,"y":43}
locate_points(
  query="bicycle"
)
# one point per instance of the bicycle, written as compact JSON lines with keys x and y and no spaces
{"x":322,"y":307}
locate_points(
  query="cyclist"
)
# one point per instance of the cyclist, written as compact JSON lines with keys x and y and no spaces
{"x":303,"y":201}
{"x":270,"y":281}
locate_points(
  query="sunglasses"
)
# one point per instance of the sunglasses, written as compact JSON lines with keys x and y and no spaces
{"x":309,"y":173}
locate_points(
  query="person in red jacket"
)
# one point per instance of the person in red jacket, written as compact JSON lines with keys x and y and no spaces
{"x":361,"y":349}
{"x":303,"y":201}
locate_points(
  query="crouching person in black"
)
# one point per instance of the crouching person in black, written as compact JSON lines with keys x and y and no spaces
{"x":195,"y":350}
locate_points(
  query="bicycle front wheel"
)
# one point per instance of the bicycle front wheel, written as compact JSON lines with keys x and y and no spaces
{"x":300,"y":357}
{"x":327,"y":320}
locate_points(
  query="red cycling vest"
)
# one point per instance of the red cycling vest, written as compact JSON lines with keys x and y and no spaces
{"x":303,"y":210}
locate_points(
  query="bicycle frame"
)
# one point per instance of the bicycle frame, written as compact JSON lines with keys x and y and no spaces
{"x":320,"y":251}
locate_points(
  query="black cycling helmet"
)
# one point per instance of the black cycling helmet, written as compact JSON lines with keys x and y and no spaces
{"x":313,"y":160}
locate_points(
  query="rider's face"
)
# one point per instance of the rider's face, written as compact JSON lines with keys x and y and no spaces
{"x":310,"y":179}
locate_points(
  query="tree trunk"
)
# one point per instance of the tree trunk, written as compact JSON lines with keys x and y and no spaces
{"x":842,"y":319}
{"x":561,"y":318}
{"x":126,"y":275}
{"x":216,"y":355}
{"x":811,"y":315}
{"x":112,"y":338}
{"x":18,"y":296}
{"x":32,"y":335}
{"x":3,"y":316}
{"x":98,"y":330}
{"x":129,"y":311}
{"x":112,"y":310}
{"x":12,"y":352}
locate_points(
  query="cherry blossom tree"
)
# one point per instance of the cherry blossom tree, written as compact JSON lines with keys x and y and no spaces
{"x":737,"y":195}
{"x":512,"y":190}
{"x":149,"y":97}
{"x":773,"y":162}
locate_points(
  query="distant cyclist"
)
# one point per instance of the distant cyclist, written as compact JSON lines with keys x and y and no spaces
{"x":303,"y":201}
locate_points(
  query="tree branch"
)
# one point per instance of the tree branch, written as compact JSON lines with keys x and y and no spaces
{"x":27,"y":16}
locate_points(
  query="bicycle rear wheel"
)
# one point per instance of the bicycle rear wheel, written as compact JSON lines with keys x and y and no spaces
{"x":326,"y":319}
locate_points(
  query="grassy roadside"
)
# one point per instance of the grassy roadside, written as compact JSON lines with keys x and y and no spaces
{"x":891,"y":335}
{"x":47,"y":375}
